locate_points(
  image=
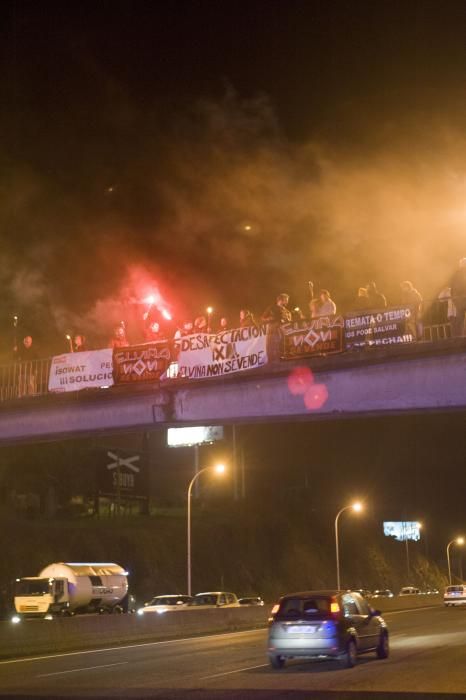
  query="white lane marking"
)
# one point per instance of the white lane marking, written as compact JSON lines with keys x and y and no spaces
{"x":130,"y":646}
{"x":78,"y":670}
{"x":236,"y":670}
{"x":400,"y":612}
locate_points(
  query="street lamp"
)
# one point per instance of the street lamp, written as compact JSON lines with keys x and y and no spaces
{"x":458,"y":540}
{"x":357,"y":508}
{"x":218,"y":469}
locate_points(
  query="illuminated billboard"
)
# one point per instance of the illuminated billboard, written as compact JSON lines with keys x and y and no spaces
{"x":402,"y":531}
{"x":197,"y":435}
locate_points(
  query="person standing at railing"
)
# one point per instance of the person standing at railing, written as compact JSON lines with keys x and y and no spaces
{"x":327,"y":306}
{"x":279,"y":312}
{"x":362,"y":302}
{"x":79,"y":343}
{"x":377,"y":300}
{"x":276,"y":315}
{"x":223,"y":324}
{"x":412,"y":298}
{"x":187,"y":328}
{"x":458,"y":294}
{"x":201,"y":325}
{"x":246,"y":318}
{"x":119,"y":339}
{"x":26,"y":355}
{"x":154,"y":333}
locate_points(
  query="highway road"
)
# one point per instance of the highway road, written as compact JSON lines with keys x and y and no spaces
{"x":427,"y":660}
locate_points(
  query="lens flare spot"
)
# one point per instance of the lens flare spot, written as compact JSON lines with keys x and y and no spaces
{"x":315,"y":397}
{"x":299,"y":380}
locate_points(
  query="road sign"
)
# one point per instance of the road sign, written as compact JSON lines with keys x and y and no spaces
{"x":195,"y":435}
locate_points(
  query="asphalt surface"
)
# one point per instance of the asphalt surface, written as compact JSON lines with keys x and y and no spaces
{"x":427,"y":661}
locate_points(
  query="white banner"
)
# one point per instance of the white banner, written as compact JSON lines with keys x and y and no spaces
{"x":215,"y":354}
{"x":81,"y":370}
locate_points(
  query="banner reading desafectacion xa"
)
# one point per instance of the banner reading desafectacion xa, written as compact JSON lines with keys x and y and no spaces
{"x":216,"y":354}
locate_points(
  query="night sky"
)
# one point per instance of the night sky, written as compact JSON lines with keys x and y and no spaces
{"x":220,"y":152}
{"x":199,"y":148}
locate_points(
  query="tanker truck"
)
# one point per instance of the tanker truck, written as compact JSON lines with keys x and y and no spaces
{"x":71,"y":588}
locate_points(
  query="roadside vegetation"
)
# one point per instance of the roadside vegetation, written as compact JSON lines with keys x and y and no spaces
{"x":267,"y":548}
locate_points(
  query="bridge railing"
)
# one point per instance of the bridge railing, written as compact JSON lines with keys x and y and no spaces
{"x":31,"y":378}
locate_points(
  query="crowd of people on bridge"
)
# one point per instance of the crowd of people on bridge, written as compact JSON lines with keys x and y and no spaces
{"x":451,"y":302}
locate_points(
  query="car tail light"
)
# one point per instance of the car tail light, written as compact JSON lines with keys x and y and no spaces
{"x":335,"y":609}
{"x":275,"y":609}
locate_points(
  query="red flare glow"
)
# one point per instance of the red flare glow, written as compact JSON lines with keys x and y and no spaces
{"x":299,"y":381}
{"x":315,"y":396}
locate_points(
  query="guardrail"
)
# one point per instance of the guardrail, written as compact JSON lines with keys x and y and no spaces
{"x":96,"y":631}
{"x":31,"y":378}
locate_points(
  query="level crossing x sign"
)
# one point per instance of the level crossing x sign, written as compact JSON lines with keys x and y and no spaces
{"x":123,"y":462}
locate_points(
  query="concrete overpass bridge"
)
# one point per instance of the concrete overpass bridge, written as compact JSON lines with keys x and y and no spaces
{"x":400,"y":379}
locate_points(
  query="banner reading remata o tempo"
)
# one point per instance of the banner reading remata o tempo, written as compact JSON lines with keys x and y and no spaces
{"x":307,"y":338}
{"x":141,"y":363}
{"x":81,"y":370}
{"x":392,"y":326}
{"x":215,"y":354}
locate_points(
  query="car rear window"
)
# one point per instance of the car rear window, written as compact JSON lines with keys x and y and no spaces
{"x":205,"y":600}
{"x":455,"y":589}
{"x":307,"y":608}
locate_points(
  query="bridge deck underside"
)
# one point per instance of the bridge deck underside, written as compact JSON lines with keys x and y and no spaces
{"x":413,"y":384}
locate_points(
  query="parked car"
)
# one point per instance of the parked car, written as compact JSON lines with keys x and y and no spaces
{"x":454,"y":595}
{"x":215,"y":599}
{"x":382,"y":593}
{"x":431,"y":591}
{"x":253,"y":600}
{"x":365,"y":592}
{"x":325,"y":624}
{"x":409,"y":590}
{"x":166,"y":603}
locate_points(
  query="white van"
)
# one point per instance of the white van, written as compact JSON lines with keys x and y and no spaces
{"x":455,"y":595}
{"x":409,"y":590}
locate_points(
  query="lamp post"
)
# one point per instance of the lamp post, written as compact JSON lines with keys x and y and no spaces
{"x":357,"y":508}
{"x":458,"y":540}
{"x":219,"y":469}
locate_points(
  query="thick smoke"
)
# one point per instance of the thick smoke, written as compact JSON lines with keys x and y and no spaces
{"x":222,"y":208}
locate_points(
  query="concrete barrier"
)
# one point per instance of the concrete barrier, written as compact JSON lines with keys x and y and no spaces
{"x":31,"y":637}
{"x":35,"y":637}
{"x":405,"y":602}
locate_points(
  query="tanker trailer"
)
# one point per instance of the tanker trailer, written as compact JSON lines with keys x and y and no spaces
{"x":72,"y":588}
